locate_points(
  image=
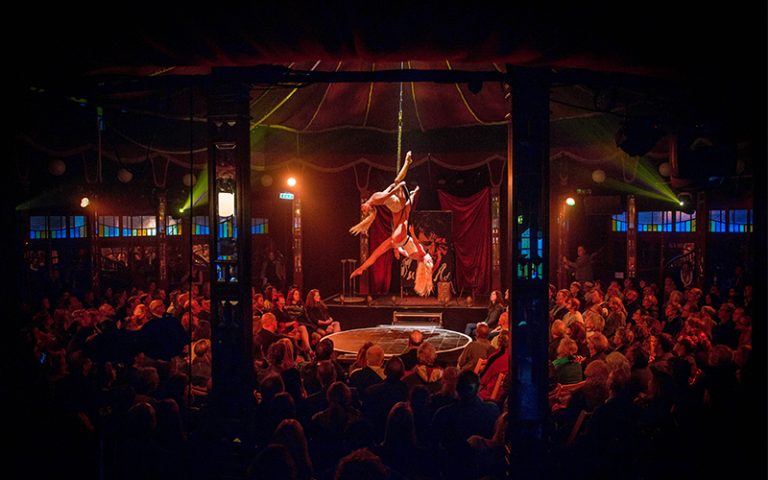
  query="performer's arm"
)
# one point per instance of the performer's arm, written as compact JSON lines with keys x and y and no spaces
{"x":380,"y":198}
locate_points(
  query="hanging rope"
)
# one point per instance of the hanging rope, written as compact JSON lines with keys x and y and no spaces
{"x":400,"y":124}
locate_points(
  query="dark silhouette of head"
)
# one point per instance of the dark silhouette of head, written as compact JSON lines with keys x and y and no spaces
{"x":467,"y":385}
{"x":324,"y":349}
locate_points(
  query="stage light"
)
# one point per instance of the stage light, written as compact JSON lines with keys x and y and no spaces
{"x":291,"y":182}
{"x":226,"y":204}
{"x":570,"y":201}
{"x":84,"y":202}
{"x":685,"y":200}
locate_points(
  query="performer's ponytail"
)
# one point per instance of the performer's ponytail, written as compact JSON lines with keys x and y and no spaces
{"x":423,"y":283}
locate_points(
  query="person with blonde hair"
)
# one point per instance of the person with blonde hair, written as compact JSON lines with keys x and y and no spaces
{"x":403,"y":241}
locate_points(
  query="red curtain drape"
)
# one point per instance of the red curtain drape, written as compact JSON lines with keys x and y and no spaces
{"x":381,"y":271}
{"x":471,"y":238}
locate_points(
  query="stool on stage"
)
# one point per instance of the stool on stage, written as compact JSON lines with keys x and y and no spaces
{"x":349,"y":285}
{"x":417,"y":319}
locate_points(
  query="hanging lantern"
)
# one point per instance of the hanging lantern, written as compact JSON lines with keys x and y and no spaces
{"x":266,"y":180}
{"x":188,"y":179}
{"x":598,"y":176}
{"x":57,"y":167}
{"x":124,"y":175}
{"x":665,"y":169}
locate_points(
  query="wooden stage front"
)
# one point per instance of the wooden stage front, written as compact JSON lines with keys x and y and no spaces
{"x":355,"y":312}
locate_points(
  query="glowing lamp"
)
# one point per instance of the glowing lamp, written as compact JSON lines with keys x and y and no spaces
{"x":570,"y":201}
{"x":291,"y":182}
{"x":84,"y":202}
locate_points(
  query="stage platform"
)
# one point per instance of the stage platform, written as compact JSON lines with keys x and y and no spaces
{"x":394,"y":340}
{"x":355,"y":312}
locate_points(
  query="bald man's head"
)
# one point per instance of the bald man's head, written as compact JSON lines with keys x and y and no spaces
{"x":415,"y":338}
{"x":374,"y":357}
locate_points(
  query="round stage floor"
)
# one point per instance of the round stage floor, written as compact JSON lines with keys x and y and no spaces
{"x":394,"y":339}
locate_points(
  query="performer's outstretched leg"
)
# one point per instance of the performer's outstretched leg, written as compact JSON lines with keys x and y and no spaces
{"x":380,"y":250}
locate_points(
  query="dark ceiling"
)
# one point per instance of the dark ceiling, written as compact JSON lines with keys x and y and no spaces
{"x":653,"y":38}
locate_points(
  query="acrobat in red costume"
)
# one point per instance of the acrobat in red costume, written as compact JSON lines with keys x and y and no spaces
{"x":403,"y":241}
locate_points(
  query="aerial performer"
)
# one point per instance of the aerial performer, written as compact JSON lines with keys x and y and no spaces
{"x":399,"y":201}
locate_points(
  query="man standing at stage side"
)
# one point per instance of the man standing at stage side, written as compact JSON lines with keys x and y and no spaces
{"x":582,"y":266}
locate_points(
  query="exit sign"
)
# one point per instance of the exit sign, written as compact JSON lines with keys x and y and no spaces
{"x":286,"y":196}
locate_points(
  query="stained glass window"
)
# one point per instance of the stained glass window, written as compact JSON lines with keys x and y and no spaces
{"x":654,"y":221}
{"x":619,"y":222}
{"x":173,"y":226}
{"x":109,"y":226}
{"x":685,"y":222}
{"x":259,"y":226}
{"x":527,"y":267}
{"x":139,"y":226}
{"x":57,"y":226}
{"x":717,"y":221}
{"x":200,"y":225}
{"x":740,"y":221}
{"x":38,"y":227}
{"x":77,"y":226}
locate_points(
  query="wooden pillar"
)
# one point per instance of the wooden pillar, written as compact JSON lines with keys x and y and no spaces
{"x":230,"y":248}
{"x":298,"y":274}
{"x":702,"y":232}
{"x":162,"y":240}
{"x":93,"y":233}
{"x":562,"y":243}
{"x":528,"y":210}
{"x":496,"y":238}
{"x":632,"y":237}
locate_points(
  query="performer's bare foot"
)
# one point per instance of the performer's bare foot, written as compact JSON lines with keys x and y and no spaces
{"x":359,"y":271}
{"x":408,"y":157}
